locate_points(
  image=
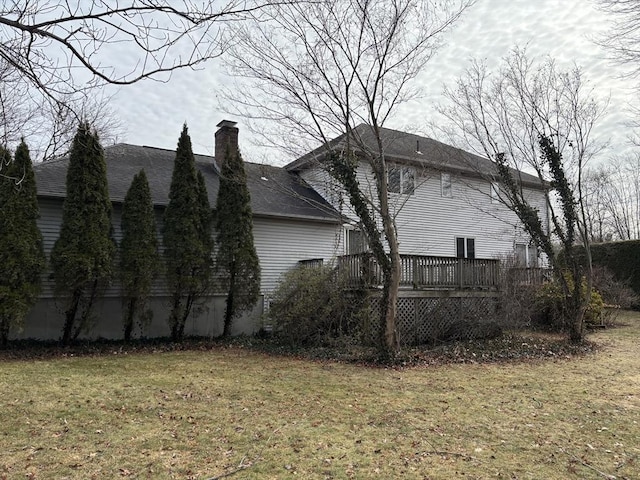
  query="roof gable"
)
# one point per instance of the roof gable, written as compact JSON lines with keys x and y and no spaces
{"x":415,"y":149}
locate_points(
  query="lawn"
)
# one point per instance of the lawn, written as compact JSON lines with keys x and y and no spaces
{"x":235,"y":413}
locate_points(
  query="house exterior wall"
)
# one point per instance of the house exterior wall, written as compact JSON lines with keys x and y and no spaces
{"x":280,"y":244}
{"x":428,"y":223}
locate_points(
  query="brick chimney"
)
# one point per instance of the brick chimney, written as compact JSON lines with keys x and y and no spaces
{"x":226,"y":135}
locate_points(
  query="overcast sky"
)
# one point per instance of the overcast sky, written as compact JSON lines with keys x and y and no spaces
{"x":152,"y":113}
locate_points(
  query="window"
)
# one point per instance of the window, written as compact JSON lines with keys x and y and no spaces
{"x":356,"y":241}
{"x":465,"y":247}
{"x":526,"y":255}
{"x":445,"y":185}
{"x":402,"y":179}
{"x":495,"y":192}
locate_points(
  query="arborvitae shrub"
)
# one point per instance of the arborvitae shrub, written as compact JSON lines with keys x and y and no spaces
{"x":237,"y":264}
{"x":22,"y":258}
{"x":83,"y":255}
{"x":187,"y":238}
{"x":139,"y":259}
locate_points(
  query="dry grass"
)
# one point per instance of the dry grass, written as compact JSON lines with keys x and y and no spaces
{"x":242,"y":414}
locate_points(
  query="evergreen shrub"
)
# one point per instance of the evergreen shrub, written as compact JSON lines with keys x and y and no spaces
{"x":22,"y":258}
{"x":549,"y":303}
{"x":312,"y":307}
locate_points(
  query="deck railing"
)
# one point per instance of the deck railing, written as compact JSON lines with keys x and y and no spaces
{"x":528,"y":276}
{"x":420,"y":271}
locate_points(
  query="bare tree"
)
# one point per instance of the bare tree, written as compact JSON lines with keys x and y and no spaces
{"x":596,"y":191}
{"x":623,"y":39}
{"x":613,"y":192}
{"x":340,"y":68}
{"x":54,"y":55}
{"x":48,"y":125}
{"x":536,"y":117}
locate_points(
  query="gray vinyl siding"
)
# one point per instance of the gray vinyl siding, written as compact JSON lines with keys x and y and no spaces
{"x":281,"y":243}
{"x":469,"y":213}
{"x":429,"y":223}
{"x":49,"y":224}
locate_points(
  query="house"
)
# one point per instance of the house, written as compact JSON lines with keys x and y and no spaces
{"x":452,"y":228}
{"x":445,"y":202}
{"x":291,"y":222}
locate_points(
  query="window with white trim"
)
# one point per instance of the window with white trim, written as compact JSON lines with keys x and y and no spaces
{"x":356,"y":241}
{"x":526,"y":255}
{"x":445,"y":185}
{"x":402,"y":179}
{"x":465,"y":247}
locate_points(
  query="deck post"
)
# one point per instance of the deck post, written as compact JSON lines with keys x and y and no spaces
{"x":460,"y":273}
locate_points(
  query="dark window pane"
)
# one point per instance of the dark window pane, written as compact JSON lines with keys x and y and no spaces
{"x":356,"y":242}
{"x":408,"y":180}
{"x":394,"y":180}
{"x":471,"y":248}
{"x":521,"y":255}
{"x":460,"y":247}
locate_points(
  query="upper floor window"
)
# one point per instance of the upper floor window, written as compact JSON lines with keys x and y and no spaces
{"x":445,"y":185}
{"x":402,"y":179}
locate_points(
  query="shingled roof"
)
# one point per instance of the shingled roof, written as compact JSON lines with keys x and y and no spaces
{"x":275,"y":192}
{"x":418,"y":150}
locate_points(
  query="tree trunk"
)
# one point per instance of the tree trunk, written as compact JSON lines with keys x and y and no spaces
{"x":174,"y":319}
{"x":187,"y":310}
{"x":84,"y":318}
{"x":228,"y":312}
{"x":70,"y":316}
{"x":129,"y":319}
{"x":576,"y":331}
{"x":4,"y":331}
{"x":392,"y":273}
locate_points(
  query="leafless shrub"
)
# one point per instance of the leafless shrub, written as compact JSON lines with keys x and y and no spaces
{"x":615,"y":294}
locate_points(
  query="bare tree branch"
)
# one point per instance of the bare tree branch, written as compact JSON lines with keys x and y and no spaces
{"x":623,"y":39}
{"x":47,"y":42}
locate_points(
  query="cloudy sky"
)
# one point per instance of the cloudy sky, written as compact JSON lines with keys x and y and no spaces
{"x":152,"y":113}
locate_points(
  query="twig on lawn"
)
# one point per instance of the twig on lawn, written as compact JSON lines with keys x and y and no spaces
{"x":445,"y":453}
{"x":582,"y":462}
{"x":241,"y":466}
{"x":232,"y":472}
{"x":452,"y":454}
{"x":603,"y":474}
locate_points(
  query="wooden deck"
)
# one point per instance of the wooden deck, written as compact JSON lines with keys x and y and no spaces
{"x":422,"y":272}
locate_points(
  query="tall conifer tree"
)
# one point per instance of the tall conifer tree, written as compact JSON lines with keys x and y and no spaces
{"x":236,"y":261}
{"x":188,"y":244}
{"x":139,"y":258}
{"x":22,"y":258}
{"x":82,"y":257}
